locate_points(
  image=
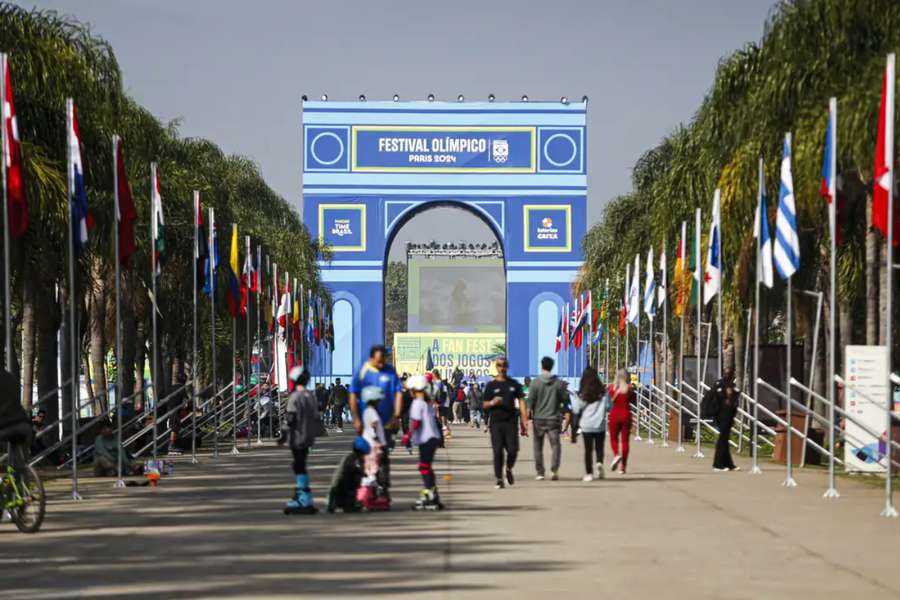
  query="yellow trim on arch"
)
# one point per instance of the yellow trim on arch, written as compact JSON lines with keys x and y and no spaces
{"x":354,"y":168}
{"x":362,"y":237}
{"x":527,"y":208}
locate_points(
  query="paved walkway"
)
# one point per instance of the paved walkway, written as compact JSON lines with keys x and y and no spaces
{"x":670,"y":529}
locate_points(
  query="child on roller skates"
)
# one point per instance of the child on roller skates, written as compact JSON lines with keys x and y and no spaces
{"x":299,"y":433}
{"x":424,"y":432}
{"x":372,"y":495}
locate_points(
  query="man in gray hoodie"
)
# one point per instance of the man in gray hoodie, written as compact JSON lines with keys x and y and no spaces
{"x":546,"y":399}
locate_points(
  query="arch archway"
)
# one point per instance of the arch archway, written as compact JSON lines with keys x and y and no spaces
{"x":369,"y":168}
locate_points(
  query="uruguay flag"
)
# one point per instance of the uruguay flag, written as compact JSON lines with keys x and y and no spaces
{"x":649,"y":287}
{"x":764,"y":272}
{"x":82,"y":221}
{"x":713,"y":276}
{"x":787,"y":239}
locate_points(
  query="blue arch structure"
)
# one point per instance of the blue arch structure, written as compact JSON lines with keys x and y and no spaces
{"x":521,"y":167}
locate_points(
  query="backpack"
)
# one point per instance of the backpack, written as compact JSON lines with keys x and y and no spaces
{"x":709,"y":405}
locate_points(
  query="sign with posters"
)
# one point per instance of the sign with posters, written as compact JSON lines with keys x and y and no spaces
{"x":472,"y":353}
{"x":865,"y":400}
{"x":445,"y":149}
{"x":547,"y":228}
{"x":343,"y":227}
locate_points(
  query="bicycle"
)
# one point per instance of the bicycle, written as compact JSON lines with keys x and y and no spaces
{"x":22,"y":496}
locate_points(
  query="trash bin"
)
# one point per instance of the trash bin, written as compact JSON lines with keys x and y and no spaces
{"x":780,"y":453}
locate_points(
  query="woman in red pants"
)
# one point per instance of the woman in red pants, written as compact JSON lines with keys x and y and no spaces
{"x":620,"y":420}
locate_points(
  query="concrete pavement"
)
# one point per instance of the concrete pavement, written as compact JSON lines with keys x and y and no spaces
{"x":671,"y":528}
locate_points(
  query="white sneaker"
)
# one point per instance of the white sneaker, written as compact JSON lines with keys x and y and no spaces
{"x":600,"y":472}
{"x":588,"y":477}
{"x":615,"y":462}
{"x":718,"y":470}
{"x":339,"y":430}
{"x":539,"y":478}
{"x":735,"y":469}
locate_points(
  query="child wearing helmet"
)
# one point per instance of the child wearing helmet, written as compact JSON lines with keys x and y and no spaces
{"x":347,"y":478}
{"x":299,"y":432}
{"x":424,"y":432}
{"x":371,"y":494}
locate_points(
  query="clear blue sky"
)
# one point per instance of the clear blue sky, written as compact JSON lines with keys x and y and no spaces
{"x":234,"y":71}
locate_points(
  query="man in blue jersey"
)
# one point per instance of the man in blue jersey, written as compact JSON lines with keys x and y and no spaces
{"x":377,"y":373}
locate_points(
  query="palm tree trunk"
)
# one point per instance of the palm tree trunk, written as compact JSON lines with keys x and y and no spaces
{"x":871,"y":278}
{"x":96,"y":327}
{"x":126,"y":369}
{"x":48,"y":352}
{"x":29,"y":333}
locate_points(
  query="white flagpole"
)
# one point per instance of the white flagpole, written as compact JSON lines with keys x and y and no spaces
{"x":194,"y":369}
{"x":698,"y":282}
{"x":153,"y":304}
{"x":889,"y":510}
{"x":721,"y":282}
{"x":116,"y":224}
{"x":637,"y":329}
{"x":832,"y":492}
{"x":73,"y":319}
{"x":754,"y":469}
{"x":7,"y":304}
{"x":213,"y":265}
{"x":234,"y":355}
{"x":682,"y":244}
{"x":247,"y":258}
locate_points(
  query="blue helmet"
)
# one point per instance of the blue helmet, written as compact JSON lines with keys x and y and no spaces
{"x":361,"y":445}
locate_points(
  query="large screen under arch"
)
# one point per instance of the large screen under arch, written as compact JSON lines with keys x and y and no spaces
{"x":456,"y":294}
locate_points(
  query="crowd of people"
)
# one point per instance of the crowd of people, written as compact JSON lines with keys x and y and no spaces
{"x":420,"y":409}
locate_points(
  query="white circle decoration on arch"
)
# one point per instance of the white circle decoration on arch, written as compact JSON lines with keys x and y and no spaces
{"x":561,"y":163}
{"x":327,"y":134}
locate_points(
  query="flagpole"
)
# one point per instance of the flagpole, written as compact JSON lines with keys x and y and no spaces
{"x":832,"y":492}
{"x":637,"y":346}
{"x":213,"y":265}
{"x":627,"y":308}
{"x":156,"y":386}
{"x":720,"y":284}
{"x":889,"y":510}
{"x":665,"y":426}
{"x":608,"y":331}
{"x":194,"y":369}
{"x":259,"y":280}
{"x":754,"y":469}
{"x":73,"y":335}
{"x":7,"y":303}
{"x":249,"y":347}
{"x":698,"y":333}
{"x":234,"y":355}
{"x":117,"y":223}
{"x":682,"y":247}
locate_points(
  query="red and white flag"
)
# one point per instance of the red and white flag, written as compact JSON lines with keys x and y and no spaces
{"x":12,"y":160}
{"x":884,"y":157}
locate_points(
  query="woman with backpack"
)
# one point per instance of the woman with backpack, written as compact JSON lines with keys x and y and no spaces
{"x":592,"y":414}
{"x":622,"y":395}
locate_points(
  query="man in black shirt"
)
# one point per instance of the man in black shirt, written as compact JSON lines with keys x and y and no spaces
{"x":504,"y":403}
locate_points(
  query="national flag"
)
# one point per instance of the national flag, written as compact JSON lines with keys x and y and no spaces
{"x":233,"y":297}
{"x":255,"y":268}
{"x":559,"y":333}
{"x":663,"y":278}
{"x":310,"y":325}
{"x":126,"y":213}
{"x":787,"y":238}
{"x":578,"y":320}
{"x":681,"y":279}
{"x":764,"y":270}
{"x":284,"y":310}
{"x":713,"y":275}
{"x":649,"y":287}
{"x":82,"y":220}
{"x":201,"y":247}
{"x":884,"y":158}
{"x":211,"y":264}
{"x":329,"y":327}
{"x":295,"y":322}
{"x":566,"y":326}
{"x":622,"y":319}
{"x":317,"y":323}
{"x":16,"y":201}
{"x":247,"y":275}
{"x":634,"y":293}
{"x":158,"y":223}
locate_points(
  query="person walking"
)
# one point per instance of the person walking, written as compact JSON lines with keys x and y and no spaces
{"x":377,"y":372}
{"x":299,"y":432}
{"x":622,"y":395}
{"x":724,"y":408}
{"x":338,"y":400}
{"x":504,"y":405}
{"x":474,"y":397}
{"x":592,"y":412}
{"x":546,"y":399}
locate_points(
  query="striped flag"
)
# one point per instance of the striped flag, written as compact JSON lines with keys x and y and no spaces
{"x":764,"y":271}
{"x":663,"y":275}
{"x":158,"y":223}
{"x":649,"y":287}
{"x":787,"y":238}
{"x":634,"y":293}
{"x":12,"y":153}
{"x":82,"y":221}
{"x":681,"y":280}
